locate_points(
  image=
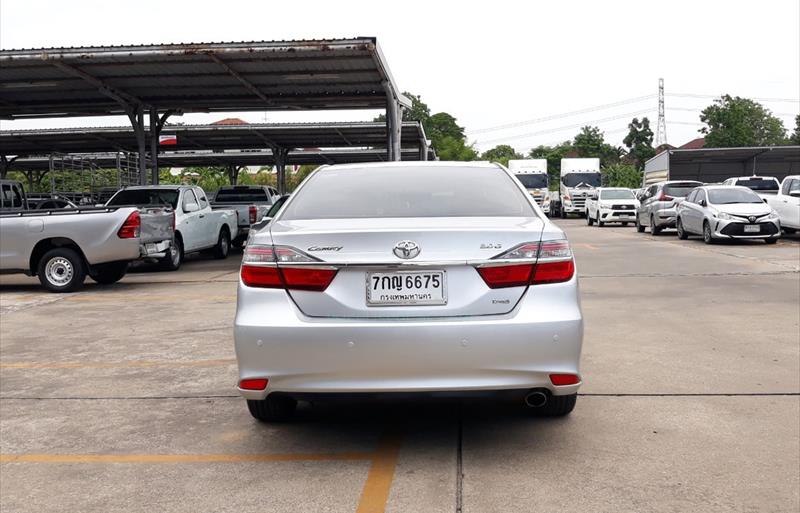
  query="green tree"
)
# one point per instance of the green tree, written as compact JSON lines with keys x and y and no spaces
{"x":795,"y":137}
{"x":621,"y":175}
{"x":453,"y":148}
{"x":735,"y":121}
{"x":502,"y":154}
{"x":590,"y":143}
{"x":640,"y":141}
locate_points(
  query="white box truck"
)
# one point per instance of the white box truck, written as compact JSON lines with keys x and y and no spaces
{"x":532,"y":173}
{"x":578,"y":178}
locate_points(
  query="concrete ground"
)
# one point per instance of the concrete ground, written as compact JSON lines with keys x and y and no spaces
{"x":121,"y":398}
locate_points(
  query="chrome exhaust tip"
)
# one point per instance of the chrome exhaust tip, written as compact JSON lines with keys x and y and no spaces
{"x":536,"y":399}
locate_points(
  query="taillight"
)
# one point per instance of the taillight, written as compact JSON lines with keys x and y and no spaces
{"x":551,"y":262}
{"x":270,"y":267}
{"x":131,"y":227}
{"x":664,"y":197}
{"x":173,"y":220}
{"x":253,"y":214}
{"x":564,"y":379}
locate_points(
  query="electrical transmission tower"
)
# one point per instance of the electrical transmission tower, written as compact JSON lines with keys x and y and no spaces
{"x":661,"y":131}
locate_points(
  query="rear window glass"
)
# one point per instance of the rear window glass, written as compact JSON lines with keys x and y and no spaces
{"x":680,"y":190}
{"x":533,"y":181}
{"x":146,"y":197}
{"x":759,"y":184}
{"x":242,"y":195}
{"x":408,"y":192}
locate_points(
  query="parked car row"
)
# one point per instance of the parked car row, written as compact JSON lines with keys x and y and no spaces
{"x":60,"y":242}
{"x":752,"y":207}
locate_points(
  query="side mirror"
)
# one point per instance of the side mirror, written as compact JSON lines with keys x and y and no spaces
{"x":765,"y":200}
{"x":191,"y":207}
{"x":703,"y":203}
{"x":795,"y":194}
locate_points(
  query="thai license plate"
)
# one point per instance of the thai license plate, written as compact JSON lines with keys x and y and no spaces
{"x":752,"y":228}
{"x":404,"y":288}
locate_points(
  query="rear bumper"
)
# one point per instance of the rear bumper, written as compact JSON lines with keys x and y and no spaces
{"x":304,"y":355}
{"x":154,"y":249}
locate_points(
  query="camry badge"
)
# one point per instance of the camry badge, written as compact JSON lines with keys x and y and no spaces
{"x":406,"y":249}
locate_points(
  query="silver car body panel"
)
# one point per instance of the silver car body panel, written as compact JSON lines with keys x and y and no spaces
{"x":482,"y":339}
{"x":693,"y":216}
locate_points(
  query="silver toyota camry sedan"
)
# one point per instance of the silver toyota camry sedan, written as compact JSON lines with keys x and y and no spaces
{"x":417,"y":277}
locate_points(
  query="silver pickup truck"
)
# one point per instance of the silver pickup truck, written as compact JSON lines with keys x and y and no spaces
{"x":251,"y":203}
{"x":62,"y":246}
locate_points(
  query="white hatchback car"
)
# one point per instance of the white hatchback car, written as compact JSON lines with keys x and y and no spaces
{"x":415,"y":277}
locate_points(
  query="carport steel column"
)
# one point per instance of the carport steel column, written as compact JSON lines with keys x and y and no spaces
{"x":136,"y":115}
{"x":280,"y":164}
{"x":394,"y":113}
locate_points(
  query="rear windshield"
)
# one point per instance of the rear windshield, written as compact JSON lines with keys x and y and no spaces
{"x":408,"y":192}
{"x":242,"y":195}
{"x":724,"y":196}
{"x":616,"y":194}
{"x":576,"y":179}
{"x":531,"y":181}
{"x":680,"y":190}
{"x":146,"y":197}
{"x":759,"y":184}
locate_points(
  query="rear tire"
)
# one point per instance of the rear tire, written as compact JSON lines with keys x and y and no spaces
{"x":223,"y":246}
{"x":61,"y":270}
{"x":600,"y":223}
{"x":558,"y":406}
{"x":174,"y":258}
{"x":563,"y":213}
{"x":639,"y":227}
{"x":272,"y":409}
{"x":654,"y":230}
{"x":682,"y":234}
{"x":771,"y":240}
{"x":624,"y":223}
{"x":589,"y":220}
{"x":106,"y":274}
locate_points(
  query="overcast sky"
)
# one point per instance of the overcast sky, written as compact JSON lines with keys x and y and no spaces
{"x":488,"y":63}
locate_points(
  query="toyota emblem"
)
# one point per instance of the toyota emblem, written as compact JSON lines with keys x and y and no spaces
{"x":752,"y":219}
{"x":406,"y":249}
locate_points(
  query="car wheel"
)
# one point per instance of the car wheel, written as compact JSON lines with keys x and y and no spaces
{"x":61,"y":270}
{"x":789,"y":231}
{"x":639,"y":227}
{"x":600,"y":223}
{"x":654,"y":230}
{"x":563,"y":213}
{"x":771,"y":240}
{"x":708,"y":238}
{"x":272,"y":409}
{"x":174,"y":258}
{"x":223,"y":245}
{"x":106,"y":274}
{"x":624,"y":223}
{"x":557,"y":406}
{"x":682,"y":234}
{"x":589,"y":220}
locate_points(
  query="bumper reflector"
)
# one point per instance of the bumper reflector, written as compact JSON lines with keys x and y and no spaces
{"x":253,"y":384}
{"x":564,"y":379}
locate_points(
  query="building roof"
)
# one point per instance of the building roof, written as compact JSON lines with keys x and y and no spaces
{"x":234,"y":76}
{"x":694,"y":144}
{"x":216,"y":137}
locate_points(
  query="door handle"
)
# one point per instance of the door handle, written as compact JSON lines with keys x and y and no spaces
{"x":201,"y":216}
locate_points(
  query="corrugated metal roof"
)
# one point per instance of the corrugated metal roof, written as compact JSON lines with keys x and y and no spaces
{"x":211,"y":137}
{"x":236,"y":76}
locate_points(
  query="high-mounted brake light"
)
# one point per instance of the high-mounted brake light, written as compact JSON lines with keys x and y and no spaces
{"x":270,"y":267}
{"x":551,"y":262}
{"x":253,"y":214}
{"x":131,"y":228}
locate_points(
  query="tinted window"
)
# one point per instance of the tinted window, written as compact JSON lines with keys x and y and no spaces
{"x":202,"y":197}
{"x":276,"y":206}
{"x":731,"y":195}
{"x":242,"y":195}
{"x":188,"y":198}
{"x":575,"y":179}
{"x":759,"y":184}
{"x":400,"y":191}
{"x":791,"y":186}
{"x":532,"y":181}
{"x":679,"y":190}
{"x":616,"y":194}
{"x":692,"y":197}
{"x":146,"y":197}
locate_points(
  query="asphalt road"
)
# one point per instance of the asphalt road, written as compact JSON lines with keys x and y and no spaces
{"x":121,"y":398}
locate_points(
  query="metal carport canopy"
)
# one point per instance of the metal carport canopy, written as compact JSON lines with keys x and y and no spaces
{"x":213,"y":137}
{"x":230,"y":158}
{"x":203,"y":77}
{"x":717,"y":164}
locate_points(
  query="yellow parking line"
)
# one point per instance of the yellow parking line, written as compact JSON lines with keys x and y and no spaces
{"x":110,"y":365}
{"x":381,"y":474}
{"x":179,"y":458}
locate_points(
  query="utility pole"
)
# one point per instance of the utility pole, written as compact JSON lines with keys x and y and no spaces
{"x":661,"y":131}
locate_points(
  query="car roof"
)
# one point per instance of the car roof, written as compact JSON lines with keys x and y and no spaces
{"x":762,"y":177}
{"x":159,"y":187}
{"x":481,"y":164}
{"x":726,"y":187}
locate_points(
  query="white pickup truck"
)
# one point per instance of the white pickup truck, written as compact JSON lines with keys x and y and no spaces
{"x":787,"y":203}
{"x":197,"y":226}
{"x":251,"y":202}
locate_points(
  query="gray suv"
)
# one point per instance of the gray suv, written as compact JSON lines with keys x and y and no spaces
{"x":658,"y":203}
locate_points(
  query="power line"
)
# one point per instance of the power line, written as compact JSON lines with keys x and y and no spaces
{"x":566,"y":127}
{"x":562,"y":115}
{"x":694,"y":95}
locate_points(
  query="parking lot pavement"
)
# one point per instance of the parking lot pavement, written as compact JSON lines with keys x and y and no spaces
{"x":121,"y":398}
